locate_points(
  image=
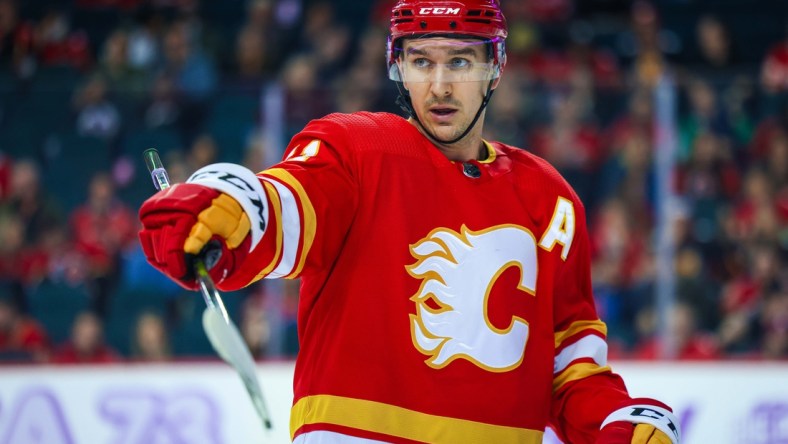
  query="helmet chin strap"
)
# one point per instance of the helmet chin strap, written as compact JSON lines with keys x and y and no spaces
{"x":404,"y":102}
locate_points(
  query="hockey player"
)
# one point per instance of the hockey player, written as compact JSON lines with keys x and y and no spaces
{"x":446,"y":293}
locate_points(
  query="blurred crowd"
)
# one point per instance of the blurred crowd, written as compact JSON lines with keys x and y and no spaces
{"x":86,"y":85}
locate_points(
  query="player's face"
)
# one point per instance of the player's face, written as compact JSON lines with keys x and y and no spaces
{"x":447,"y":80}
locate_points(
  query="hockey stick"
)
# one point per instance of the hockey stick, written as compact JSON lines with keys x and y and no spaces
{"x":220,"y":329}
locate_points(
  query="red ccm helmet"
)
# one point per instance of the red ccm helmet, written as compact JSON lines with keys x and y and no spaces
{"x":481,"y":19}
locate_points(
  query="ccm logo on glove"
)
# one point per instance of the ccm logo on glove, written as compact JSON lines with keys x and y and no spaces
{"x":640,"y":424}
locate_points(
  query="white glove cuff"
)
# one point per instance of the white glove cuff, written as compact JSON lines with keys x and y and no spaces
{"x":242,"y":185}
{"x":659,"y":417}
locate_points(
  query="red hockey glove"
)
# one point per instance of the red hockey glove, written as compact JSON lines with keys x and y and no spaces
{"x":645,"y":421}
{"x":622,"y":432}
{"x":189,"y":220}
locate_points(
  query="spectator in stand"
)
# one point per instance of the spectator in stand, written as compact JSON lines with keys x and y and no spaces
{"x":6,"y":166}
{"x":707,"y":180}
{"x":257,"y":153}
{"x":164,"y":107}
{"x":144,"y":39}
{"x":696,"y":288}
{"x":86,"y":344}
{"x":203,"y":152}
{"x":762,"y":274}
{"x":602,"y":68}
{"x":706,"y":114}
{"x":777,"y":170}
{"x":628,"y":174}
{"x":191,"y":69}
{"x":363,"y":85}
{"x":774,"y":68}
{"x":689,"y":342}
{"x":31,"y":229}
{"x":13,"y":50}
{"x":304,"y":98}
{"x":252,"y":65}
{"x":636,"y":121}
{"x":571,"y":142}
{"x":22,"y":338}
{"x":715,"y":59}
{"x":773,"y":326}
{"x":255,"y":327}
{"x":319,"y":18}
{"x":368,"y":53}
{"x":200,"y":29}
{"x":647,"y":45}
{"x":289,"y":316}
{"x":54,"y":42}
{"x":103,"y":227}
{"x":551,"y":69}
{"x":124,"y":80}
{"x":325,"y":39}
{"x":14,"y":258}
{"x":151,"y":341}
{"x":9,"y":19}
{"x":755,"y":211}
{"x":96,"y":115}
{"x":776,"y":162}
{"x":619,"y":261}
{"x":332,"y":52}
{"x":506,"y":115}
{"x":276,"y":20}
{"x":769,"y":128}
{"x":28,"y":200}
{"x":193,"y":74}
{"x":358,"y":90}
{"x":177,"y":166}
{"x":617,"y":244}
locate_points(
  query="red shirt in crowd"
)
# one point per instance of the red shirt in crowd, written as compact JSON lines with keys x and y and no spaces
{"x":26,"y":336}
{"x":69,"y":354}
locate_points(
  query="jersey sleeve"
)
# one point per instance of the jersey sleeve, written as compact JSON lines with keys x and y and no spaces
{"x":585,"y":390}
{"x":311,"y":200}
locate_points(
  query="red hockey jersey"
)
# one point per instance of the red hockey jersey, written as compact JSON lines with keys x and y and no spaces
{"x":441,"y":301}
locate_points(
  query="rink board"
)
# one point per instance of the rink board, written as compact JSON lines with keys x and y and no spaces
{"x":204,"y":403}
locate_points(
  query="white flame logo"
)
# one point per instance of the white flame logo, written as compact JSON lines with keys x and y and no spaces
{"x":458,"y":272}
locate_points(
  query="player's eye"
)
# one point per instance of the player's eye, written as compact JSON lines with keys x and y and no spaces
{"x":459,"y":63}
{"x":420,"y":63}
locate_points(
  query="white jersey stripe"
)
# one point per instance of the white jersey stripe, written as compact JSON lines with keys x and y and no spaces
{"x":291,"y":227}
{"x":591,"y":346}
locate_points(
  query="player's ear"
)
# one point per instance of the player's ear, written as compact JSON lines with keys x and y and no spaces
{"x":496,"y":82}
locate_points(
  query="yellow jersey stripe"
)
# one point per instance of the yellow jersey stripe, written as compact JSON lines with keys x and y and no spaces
{"x":577,"y":371}
{"x":310,"y":220}
{"x":578,"y":326}
{"x":491,"y":154}
{"x":401,"y":422}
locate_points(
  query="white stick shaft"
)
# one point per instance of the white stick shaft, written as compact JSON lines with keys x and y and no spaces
{"x":219,"y":328}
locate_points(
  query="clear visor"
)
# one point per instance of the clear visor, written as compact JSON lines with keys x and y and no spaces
{"x":439,"y":59}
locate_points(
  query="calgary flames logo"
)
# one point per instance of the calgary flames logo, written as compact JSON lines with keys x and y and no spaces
{"x":458,"y":272}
